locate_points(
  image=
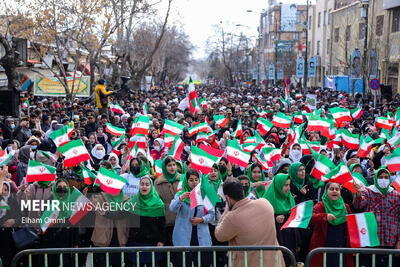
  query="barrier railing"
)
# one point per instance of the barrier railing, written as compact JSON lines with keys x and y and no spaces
{"x":90,"y":251}
{"x":356,"y":251}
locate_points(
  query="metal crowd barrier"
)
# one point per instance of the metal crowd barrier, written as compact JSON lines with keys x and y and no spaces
{"x":356,"y":251}
{"x":168,"y":250}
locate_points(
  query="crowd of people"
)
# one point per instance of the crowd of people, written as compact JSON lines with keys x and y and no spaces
{"x":164,"y":214}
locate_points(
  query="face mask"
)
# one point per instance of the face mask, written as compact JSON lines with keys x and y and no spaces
{"x":222,"y":169}
{"x":33,"y":147}
{"x":99,"y":154}
{"x":135,"y":169}
{"x":61,"y":191}
{"x":186,"y":148}
{"x":32,"y":155}
{"x":157,"y":148}
{"x":281,"y":136}
{"x":245,"y":188}
{"x":383,"y":183}
{"x":12,"y":126}
{"x":9,"y":148}
{"x":122,"y":150}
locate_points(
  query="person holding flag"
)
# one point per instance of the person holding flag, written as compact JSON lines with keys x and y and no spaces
{"x":330,"y":229}
{"x":137,"y":169}
{"x":191,"y":225}
{"x":257,"y":179}
{"x":381,"y":199}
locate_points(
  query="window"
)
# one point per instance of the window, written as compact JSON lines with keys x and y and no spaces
{"x":329,"y":17}
{"x":361,"y":31}
{"x":348,"y":32}
{"x":325,"y":17}
{"x":336,"y":35}
{"x":319,"y":19}
{"x":309,"y":22}
{"x":318,"y":47}
{"x":379,"y":25}
{"x":396,"y":20}
{"x":328,"y":46}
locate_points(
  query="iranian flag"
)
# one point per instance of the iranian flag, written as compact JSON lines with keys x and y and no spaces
{"x":87,"y":175}
{"x":220,"y":120}
{"x":4,"y":157}
{"x":203,"y":102}
{"x":74,"y":152}
{"x":201,"y":127}
{"x":48,"y":218}
{"x":238,"y":131}
{"x":40,"y":172}
{"x":316,"y":123}
{"x":158,"y":168}
{"x":212,"y":151}
{"x":281,"y":120}
{"x":365,"y":147}
{"x":48,"y":155}
{"x":260,"y":111}
{"x":113,"y":130}
{"x":298,"y":117}
{"x":393,"y":161}
{"x":172,"y":128}
{"x":394,"y":141}
{"x":263,"y":163}
{"x":110,"y":182}
{"x":264,"y":126}
{"x":341,"y":174}
{"x":341,"y":114}
{"x":61,"y":136}
{"x":363,"y":230}
{"x":115,"y":144}
{"x":350,"y":140}
{"x":80,"y":207}
{"x":140,"y":126}
{"x":139,"y":140}
{"x":235,"y":155}
{"x":177,"y":148}
{"x":322,"y":167}
{"x":193,"y":106}
{"x":396,"y":184}
{"x":204,"y":195}
{"x":116,"y":108}
{"x":145,"y":110}
{"x":202,"y":161}
{"x":272,"y":154}
{"x":357,"y":113}
{"x":383,"y":122}
{"x":169,"y":139}
{"x":300,"y":215}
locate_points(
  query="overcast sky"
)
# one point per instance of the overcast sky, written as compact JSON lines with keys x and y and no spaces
{"x":198,"y":16}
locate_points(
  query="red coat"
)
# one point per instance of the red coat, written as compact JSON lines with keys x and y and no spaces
{"x":318,"y":238}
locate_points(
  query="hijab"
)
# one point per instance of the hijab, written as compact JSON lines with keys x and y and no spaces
{"x":282,"y":203}
{"x":113,"y":155}
{"x":24,"y":154}
{"x":259,"y":190}
{"x":149,"y":205}
{"x":337,"y":208}
{"x":294,"y":179}
{"x":215,"y":183}
{"x":375,"y":186}
{"x":98,"y":154}
{"x":185,"y":188}
{"x":65,"y":212}
{"x":170,"y":177}
{"x":4,"y":200}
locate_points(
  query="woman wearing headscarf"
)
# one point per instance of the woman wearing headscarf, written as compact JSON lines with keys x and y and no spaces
{"x":166,"y":186}
{"x":22,"y":167}
{"x":300,"y":185}
{"x":330,"y":228}
{"x":384,"y":202}
{"x":191,"y":225}
{"x":137,"y":169}
{"x":97,"y":154}
{"x":280,"y":197}
{"x":257,"y":179}
{"x":113,"y":158}
{"x":295,"y":153}
{"x":148,"y":220}
{"x":158,"y":149}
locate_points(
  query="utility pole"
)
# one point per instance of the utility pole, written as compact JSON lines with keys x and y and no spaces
{"x":365,"y":5}
{"x":306,"y":56}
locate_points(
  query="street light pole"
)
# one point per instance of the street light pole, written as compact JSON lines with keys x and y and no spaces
{"x":306,"y":57}
{"x":364,"y":91}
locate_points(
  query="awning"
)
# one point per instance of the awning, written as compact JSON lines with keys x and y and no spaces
{"x":388,"y":4}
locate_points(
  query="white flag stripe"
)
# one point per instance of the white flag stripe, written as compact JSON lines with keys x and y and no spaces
{"x":362,"y":225}
{"x":299,"y":215}
{"x":117,"y":184}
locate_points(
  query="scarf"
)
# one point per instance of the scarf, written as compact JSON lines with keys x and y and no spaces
{"x":259,"y":190}
{"x":185,"y":188}
{"x":43,"y":184}
{"x":65,"y":213}
{"x":282,"y":203}
{"x":4,"y":201}
{"x":144,"y":171}
{"x":382,"y":190}
{"x":215,"y":183}
{"x":337,"y":208}
{"x":294,"y":179}
{"x":170,"y":177}
{"x":149,"y":205}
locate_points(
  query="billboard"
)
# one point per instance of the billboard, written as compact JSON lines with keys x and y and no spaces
{"x":51,"y":86}
{"x":288,"y":17}
{"x":284,"y":51}
{"x":312,"y":67}
{"x":355,"y":63}
{"x":280,"y":74}
{"x":271,"y":72}
{"x":372,"y":64}
{"x":300,"y":67}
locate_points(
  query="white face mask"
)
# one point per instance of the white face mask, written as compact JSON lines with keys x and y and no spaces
{"x":186,"y":148}
{"x":295,"y":155}
{"x":99,"y":154}
{"x":122,"y":150}
{"x":157,"y":148}
{"x":383,"y":183}
{"x":281,"y":136}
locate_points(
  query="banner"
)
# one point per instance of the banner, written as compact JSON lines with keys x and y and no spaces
{"x":271,"y":72}
{"x":355,"y":64}
{"x":280,"y":74}
{"x":372,"y":64}
{"x":312,"y":67}
{"x":311,"y":101}
{"x":51,"y":86}
{"x":300,"y":67}
{"x":288,"y":17}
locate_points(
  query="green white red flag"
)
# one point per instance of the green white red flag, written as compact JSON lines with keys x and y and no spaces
{"x":394,"y":141}
{"x":201,"y":127}
{"x":145,"y":110}
{"x":109,"y":181}
{"x":363,"y":230}
{"x":221,"y":120}
{"x":212,"y":151}
{"x":88,"y":176}
{"x":393,"y":161}
{"x":158,"y":168}
{"x":264,"y":126}
{"x":169,"y":140}
{"x":193,"y":106}
{"x":140,"y":126}
{"x":48,"y":155}
{"x":40,"y":172}
{"x":298,"y":117}
{"x":263,"y":163}
{"x":204,"y":195}
{"x":341,"y":114}
{"x":271,"y":154}
{"x":80,"y":206}
{"x":341,"y":174}
{"x":172,"y":128}
{"x":177,"y":148}
{"x":349,"y":140}
{"x":316,"y":123}
{"x":202,"y":161}
{"x":114,"y":130}
{"x":236,"y":155}
{"x":356,"y":113}
{"x":115,"y":144}
{"x":139,"y":140}
{"x":4,"y":157}
{"x":281,"y":120}
{"x":365,"y":147}
{"x":396,"y":184}
{"x":48,"y":218}
{"x":260,"y":112}
{"x":74,"y":152}
{"x":322,"y":167}
{"x":61,"y":136}
{"x":116,"y":108}
{"x":238,"y":131}
{"x":300,"y":215}
{"x":384,"y":123}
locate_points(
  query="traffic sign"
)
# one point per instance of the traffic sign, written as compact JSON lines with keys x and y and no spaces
{"x":374,"y":84}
